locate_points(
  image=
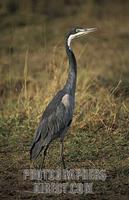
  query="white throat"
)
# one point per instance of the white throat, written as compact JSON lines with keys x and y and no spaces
{"x":72,"y":36}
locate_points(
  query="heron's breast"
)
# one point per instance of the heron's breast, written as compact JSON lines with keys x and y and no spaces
{"x":66,"y":100}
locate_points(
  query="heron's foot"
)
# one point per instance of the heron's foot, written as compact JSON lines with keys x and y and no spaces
{"x":63,"y":162}
{"x":31,"y":164}
{"x":42,"y":165}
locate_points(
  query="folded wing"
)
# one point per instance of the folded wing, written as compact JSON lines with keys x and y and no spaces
{"x":55,"y":119}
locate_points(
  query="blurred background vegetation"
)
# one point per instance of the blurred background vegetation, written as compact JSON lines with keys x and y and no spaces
{"x":33,"y":66}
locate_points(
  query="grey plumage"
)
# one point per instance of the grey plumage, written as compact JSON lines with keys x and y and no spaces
{"x":54,"y":120}
{"x":57,"y":117}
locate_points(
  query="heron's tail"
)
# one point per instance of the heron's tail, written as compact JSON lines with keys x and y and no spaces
{"x":35,"y":150}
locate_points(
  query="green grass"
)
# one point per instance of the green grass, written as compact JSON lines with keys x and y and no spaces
{"x":33,"y":66}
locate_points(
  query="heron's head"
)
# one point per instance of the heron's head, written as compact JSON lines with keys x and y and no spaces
{"x":78,"y":32}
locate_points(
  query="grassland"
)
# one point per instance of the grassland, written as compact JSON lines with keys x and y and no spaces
{"x":33,"y":66}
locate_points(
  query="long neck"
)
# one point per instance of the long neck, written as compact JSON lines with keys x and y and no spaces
{"x":72,"y":75}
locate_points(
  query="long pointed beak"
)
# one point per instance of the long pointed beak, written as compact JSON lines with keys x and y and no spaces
{"x":83,"y":32}
{"x":89,"y":30}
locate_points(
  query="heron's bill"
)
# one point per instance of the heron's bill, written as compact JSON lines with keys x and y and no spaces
{"x":89,"y":30}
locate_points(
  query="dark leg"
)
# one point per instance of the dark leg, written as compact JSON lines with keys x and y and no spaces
{"x":61,"y":153}
{"x":44,"y":155}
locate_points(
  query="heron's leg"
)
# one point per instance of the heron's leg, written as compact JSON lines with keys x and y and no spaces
{"x":44,"y":155}
{"x":61,"y":153}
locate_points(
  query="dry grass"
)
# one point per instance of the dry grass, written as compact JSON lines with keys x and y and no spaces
{"x":34,"y":66}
